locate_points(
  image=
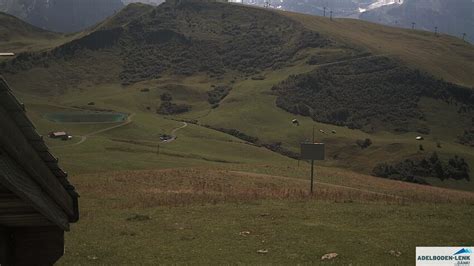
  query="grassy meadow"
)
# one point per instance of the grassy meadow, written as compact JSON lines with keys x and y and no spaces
{"x":133,"y":212}
{"x":211,"y":198}
{"x":204,"y":216}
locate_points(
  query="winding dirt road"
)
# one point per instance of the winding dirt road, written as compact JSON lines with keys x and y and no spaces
{"x":173,"y":133}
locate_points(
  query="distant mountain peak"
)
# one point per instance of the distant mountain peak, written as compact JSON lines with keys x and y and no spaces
{"x":381,"y":3}
{"x":61,"y":15}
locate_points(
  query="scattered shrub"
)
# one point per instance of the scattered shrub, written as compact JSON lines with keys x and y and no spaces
{"x":258,"y":77}
{"x":169,"y":108}
{"x":276,"y":147}
{"x":414,"y":170}
{"x":218,"y":93}
{"x":363,"y":144}
{"x":166,"y":97}
{"x":235,"y":133}
{"x":467,"y":138}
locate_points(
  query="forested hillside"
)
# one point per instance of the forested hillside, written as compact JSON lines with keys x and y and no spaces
{"x":192,"y":38}
{"x":370,"y":94}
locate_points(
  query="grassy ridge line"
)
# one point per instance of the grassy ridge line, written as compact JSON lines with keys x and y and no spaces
{"x":444,"y":56}
{"x":18,"y":36}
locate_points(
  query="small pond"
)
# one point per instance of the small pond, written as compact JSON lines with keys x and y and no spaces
{"x":86,"y":117}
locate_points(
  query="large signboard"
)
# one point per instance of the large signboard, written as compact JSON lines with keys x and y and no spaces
{"x":427,"y":256}
{"x":312,"y":151}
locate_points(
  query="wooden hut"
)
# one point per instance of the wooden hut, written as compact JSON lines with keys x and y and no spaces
{"x":37,"y":203}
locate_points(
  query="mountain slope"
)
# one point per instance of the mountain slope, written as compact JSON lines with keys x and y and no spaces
{"x":17,"y":36}
{"x":214,"y":65}
{"x":453,"y":18}
{"x":443,"y":56}
{"x":453,"y":63}
{"x":354,"y":94}
{"x":197,"y":37}
{"x":146,"y":200}
{"x":61,"y":15}
{"x":13,"y":28}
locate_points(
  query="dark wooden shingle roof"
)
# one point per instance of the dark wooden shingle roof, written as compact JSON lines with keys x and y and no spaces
{"x":28,"y":152}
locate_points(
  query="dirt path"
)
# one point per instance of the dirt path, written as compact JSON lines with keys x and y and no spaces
{"x":320,"y":183}
{"x":350,"y":60}
{"x":129,"y":120}
{"x":84,"y":138}
{"x":173,"y":133}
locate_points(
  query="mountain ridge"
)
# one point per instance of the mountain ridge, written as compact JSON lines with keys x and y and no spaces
{"x":453,"y":61}
{"x":61,"y":15}
{"x":187,"y":35}
{"x":450,"y":18}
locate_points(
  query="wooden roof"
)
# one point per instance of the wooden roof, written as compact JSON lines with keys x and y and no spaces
{"x":28,"y":170}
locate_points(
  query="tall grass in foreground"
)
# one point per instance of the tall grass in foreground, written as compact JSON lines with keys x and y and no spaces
{"x":181,"y":187}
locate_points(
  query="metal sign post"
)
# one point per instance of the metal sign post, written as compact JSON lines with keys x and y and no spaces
{"x":312,"y":161}
{"x":312,"y":176}
{"x":312,"y":151}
